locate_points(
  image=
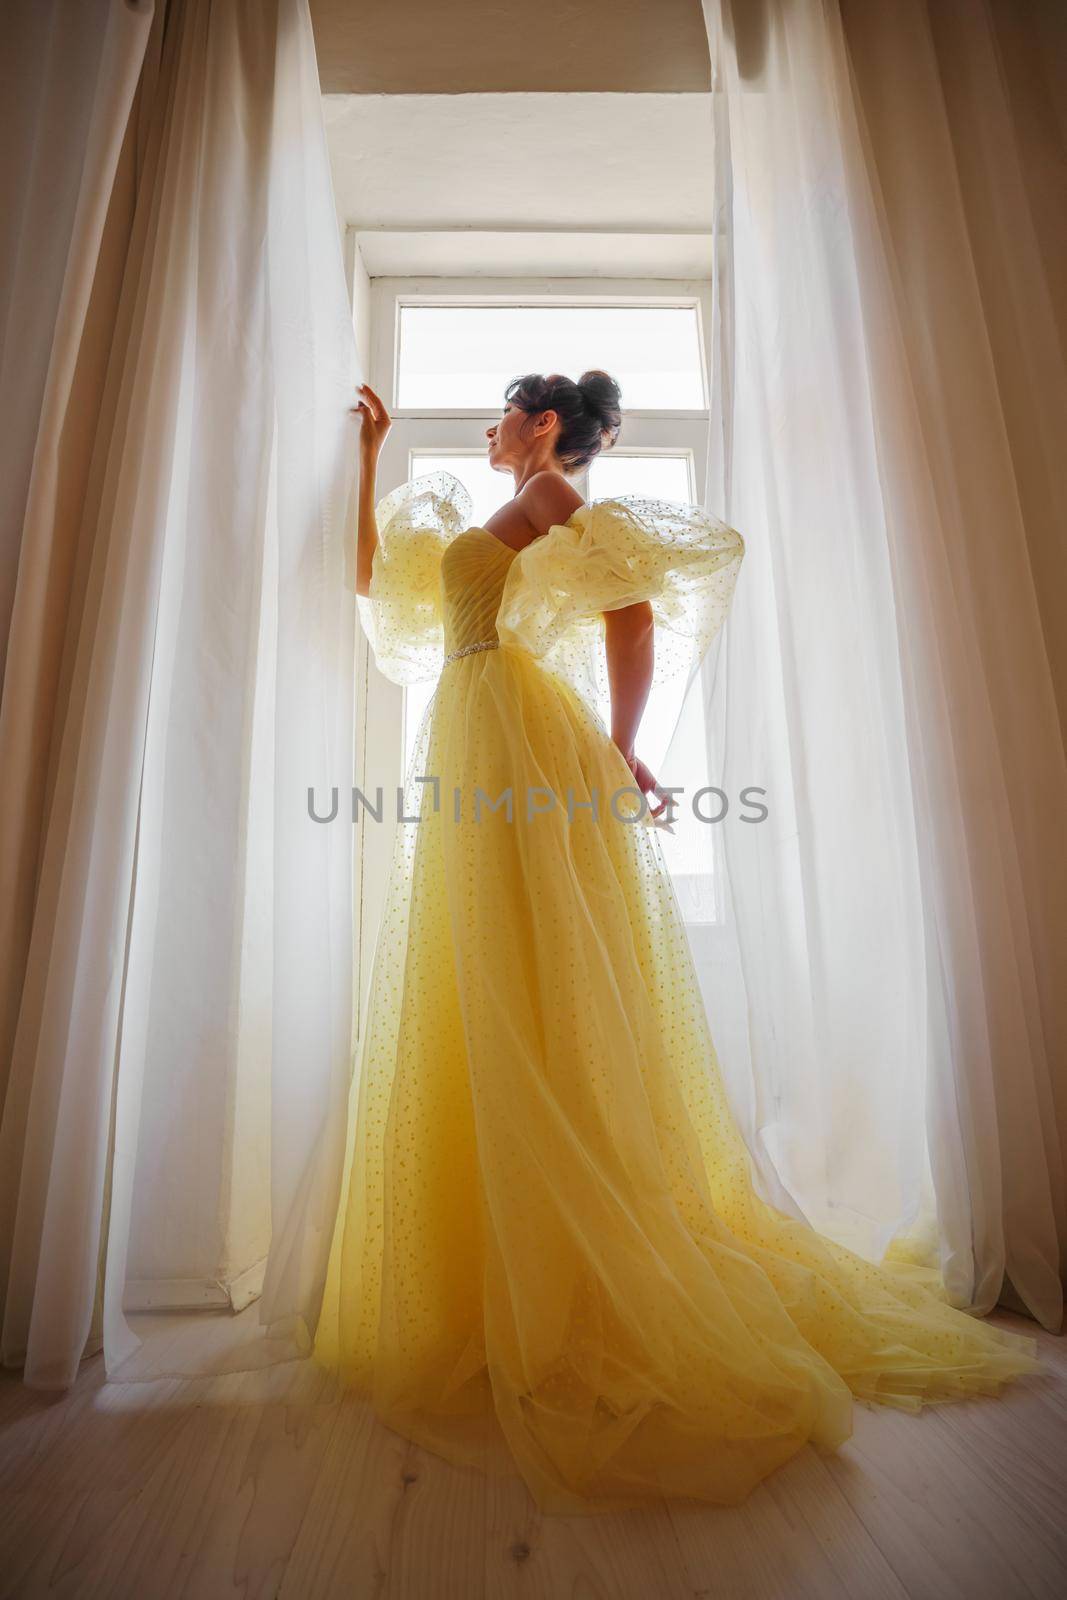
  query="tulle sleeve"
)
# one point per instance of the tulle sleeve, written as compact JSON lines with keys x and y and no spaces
{"x":402,"y":615}
{"x":613,"y":553}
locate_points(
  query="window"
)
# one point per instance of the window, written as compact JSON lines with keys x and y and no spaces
{"x":455,"y":354}
{"x":661,"y":477}
{"x":445,"y":360}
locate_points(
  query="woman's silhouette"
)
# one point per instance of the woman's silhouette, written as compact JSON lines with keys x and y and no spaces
{"x":550,"y":1255}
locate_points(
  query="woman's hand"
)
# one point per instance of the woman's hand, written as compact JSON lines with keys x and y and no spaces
{"x":375,"y":424}
{"x":646,"y":782}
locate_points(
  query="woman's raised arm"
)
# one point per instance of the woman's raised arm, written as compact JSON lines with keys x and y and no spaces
{"x":375,"y":423}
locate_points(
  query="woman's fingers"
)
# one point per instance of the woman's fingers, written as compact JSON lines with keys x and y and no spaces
{"x":374,"y":401}
{"x":649,"y":786}
{"x":645,"y":781}
{"x":376,"y":419}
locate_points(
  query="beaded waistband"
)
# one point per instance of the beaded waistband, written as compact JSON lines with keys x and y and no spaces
{"x":469,"y":649}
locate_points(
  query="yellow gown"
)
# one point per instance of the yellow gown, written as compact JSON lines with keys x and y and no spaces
{"x":549,"y":1255}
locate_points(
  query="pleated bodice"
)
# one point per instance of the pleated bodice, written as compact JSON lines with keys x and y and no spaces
{"x":473,"y":570}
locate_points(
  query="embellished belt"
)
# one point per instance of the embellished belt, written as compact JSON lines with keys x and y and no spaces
{"x":469,"y":649}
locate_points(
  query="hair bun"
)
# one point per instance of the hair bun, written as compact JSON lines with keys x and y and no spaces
{"x":589,"y":411}
{"x":603,"y":397}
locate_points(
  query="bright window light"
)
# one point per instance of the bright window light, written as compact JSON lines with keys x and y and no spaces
{"x":658,"y":477}
{"x":488,"y":490}
{"x":464,"y":356}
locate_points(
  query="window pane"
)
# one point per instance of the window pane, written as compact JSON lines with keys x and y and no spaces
{"x":659,"y":477}
{"x":488,"y":490}
{"x":691,"y":853}
{"x":464,"y":356}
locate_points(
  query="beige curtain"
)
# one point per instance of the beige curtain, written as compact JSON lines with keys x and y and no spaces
{"x":893,"y":391}
{"x":956,"y":131}
{"x":73,"y":122}
{"x":176,"y":949}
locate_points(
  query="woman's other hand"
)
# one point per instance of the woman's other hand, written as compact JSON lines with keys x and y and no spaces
{"x":646,"y":782}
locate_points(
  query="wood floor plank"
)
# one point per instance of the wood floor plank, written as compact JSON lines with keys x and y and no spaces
{"x":438,"y":1535}
{"x":234,"y":1522}
{"x":270,"y":1483}
{"x":518,"y":1561}
{"x":1022,"y":1442}
{"x":33,"y":1422}
{"x":347,"y":1537}
{"x":174,"y":1498}
{"x":34,"y":1532}
{"x":794,"y":1538}
{"x":935,"y":1514}
{"x":137,"y":1526}
{"x":621,"y":1556}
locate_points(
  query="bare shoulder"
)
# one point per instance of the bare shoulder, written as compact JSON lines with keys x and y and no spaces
{"x":544,"y":500}
{"x":548,"y":498}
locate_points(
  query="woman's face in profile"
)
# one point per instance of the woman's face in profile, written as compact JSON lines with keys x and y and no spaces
{"x":509,"y":441}
{"x":500,"y":434}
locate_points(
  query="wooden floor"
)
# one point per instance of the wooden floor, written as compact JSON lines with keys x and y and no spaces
{"x":192,"y":1488}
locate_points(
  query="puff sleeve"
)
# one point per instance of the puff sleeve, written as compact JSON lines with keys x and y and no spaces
{"x":402,"y":615}
{"x":613,"y":553}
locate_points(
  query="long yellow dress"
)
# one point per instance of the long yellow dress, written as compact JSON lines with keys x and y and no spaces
{"x":549,"y":1255}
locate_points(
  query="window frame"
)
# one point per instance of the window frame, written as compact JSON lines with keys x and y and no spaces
{"x":381,"y":705}
{"x":625,"y":293}
{"x":445,"y":430}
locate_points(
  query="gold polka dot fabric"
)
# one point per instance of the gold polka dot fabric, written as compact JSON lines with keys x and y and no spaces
{"x":550,"y":1256}
{"x":403,"y":616}
{"x":613,"y":553}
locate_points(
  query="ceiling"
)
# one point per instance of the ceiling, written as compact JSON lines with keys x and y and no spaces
{"x":506,"y":46}
{"x":586,"y":161}
{"x":602,"y":170}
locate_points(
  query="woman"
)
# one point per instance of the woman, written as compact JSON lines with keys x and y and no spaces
{"x":550,"y":1253}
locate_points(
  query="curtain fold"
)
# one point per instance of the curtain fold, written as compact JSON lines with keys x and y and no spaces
{"x":69,"y":153}
{"x":889,"y":385}
{"x":970,"y":406}
{"x":176,"y":1107}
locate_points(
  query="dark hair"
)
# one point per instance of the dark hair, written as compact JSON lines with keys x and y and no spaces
{"x":590,"y":411}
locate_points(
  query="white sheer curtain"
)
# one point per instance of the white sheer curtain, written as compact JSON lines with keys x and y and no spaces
{"x":176,"y":1108}
{"x":882,"y":988}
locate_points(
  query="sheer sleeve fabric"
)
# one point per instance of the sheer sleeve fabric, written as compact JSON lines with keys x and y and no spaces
{"x":613,"y":553}
{"x":402,"y":615}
